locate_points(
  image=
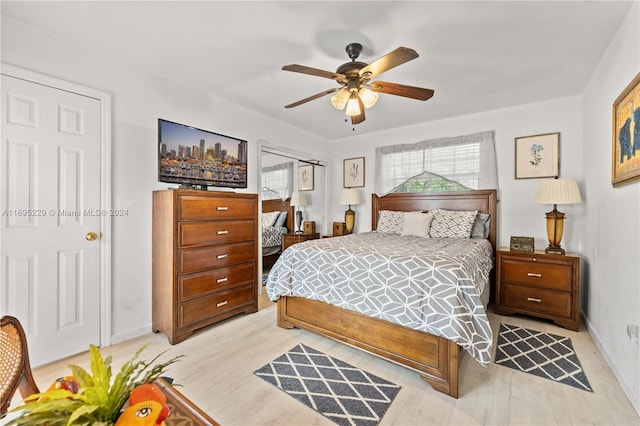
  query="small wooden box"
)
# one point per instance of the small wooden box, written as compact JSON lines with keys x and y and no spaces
{"x":339,"y":228}
{"x":524,"y":244}
{"x":309,"y":227}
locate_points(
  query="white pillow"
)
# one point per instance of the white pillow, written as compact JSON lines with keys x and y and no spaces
{"x":452,"y":223}
{"x":390,"y":222}
{"x":417,"y":224}
{"x":269,"y":218}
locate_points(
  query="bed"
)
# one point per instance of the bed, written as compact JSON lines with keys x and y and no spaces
{"x":431,"y":354}
{"x":272,"y":236}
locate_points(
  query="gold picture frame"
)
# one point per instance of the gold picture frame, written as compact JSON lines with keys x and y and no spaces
{"x":625,"y":164}
{"x":537,"y":156}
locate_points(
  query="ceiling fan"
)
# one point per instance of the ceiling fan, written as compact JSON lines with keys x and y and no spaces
{"x":355,"y":92}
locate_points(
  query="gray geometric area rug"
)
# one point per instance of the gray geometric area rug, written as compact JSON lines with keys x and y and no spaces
{"x":340,"y":392}
{"x":541,"y":354}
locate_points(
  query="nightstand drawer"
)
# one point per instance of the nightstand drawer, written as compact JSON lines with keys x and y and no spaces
{"x":536,"y":300}
{"x":540,"y":274}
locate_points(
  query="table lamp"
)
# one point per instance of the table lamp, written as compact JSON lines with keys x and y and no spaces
{"x":556,"y":191}
{"x":349,"y":196}
{"x":298,"y":199}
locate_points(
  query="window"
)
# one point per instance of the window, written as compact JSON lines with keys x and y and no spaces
{"x":446,"y":164}
{"x":277,"y":181}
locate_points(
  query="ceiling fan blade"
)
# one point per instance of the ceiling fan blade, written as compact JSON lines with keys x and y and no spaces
{"x":388,"y":61}
{"x":314,"y":71}
{"x":357,"y":119}
{"x":401,"y":90}
{"x":310,"y":98}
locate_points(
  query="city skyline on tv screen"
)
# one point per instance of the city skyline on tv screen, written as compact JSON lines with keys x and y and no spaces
{"x":192,"y":156}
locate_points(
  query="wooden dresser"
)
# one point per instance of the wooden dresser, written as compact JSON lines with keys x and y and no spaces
{"x":205,"y":251}
{"x":539,"y":284}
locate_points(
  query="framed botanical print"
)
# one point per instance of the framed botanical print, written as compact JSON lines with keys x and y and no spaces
{"x":625,"y":143}
{"x":538,"y":156}
{"x":305,"y":177}
{"x":353,"y":173}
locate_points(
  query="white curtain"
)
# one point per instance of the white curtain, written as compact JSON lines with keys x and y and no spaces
{"x":277,"y":181}
{"x":469,"y":160}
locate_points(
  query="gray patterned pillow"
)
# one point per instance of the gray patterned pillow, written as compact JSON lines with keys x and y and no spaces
{"x":390,"y":222}
{"x":452,"y":223}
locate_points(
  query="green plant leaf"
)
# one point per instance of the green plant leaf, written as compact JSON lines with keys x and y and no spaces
{"x":98,"y":402}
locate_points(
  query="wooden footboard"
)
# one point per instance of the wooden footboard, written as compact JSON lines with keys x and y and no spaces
{"x":434,"y":358}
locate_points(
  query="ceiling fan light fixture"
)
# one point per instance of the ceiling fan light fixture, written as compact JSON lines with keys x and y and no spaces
{"x":356,"y":91}
{"x":339,"y":100}
{"x":353,"y":106}
{"x":368,"y":97}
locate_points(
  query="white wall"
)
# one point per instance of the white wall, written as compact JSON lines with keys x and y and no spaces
{"x":518,"y":214}
{"x":139,"y":99}
{"x":611,"y":249}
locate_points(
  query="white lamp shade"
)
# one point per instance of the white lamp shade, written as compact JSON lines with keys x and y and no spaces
{"x":558,"y":191}
{"x":349,"y":196}
{"x":339,"y":100}
{"x":353,"y":107}
{"x":299,"y":199}
{"x":368,"y":97}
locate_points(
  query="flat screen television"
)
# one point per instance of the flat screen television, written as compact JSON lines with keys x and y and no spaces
{"x":196,"y":158}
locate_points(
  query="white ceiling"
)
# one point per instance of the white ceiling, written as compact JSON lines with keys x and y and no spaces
{"x":476,"y":55}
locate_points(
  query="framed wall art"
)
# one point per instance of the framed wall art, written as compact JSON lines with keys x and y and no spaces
{"x":626,"y":135}
{"x":538,"y":156}
{"x":353,"y":173}
{"x":305,"y":177}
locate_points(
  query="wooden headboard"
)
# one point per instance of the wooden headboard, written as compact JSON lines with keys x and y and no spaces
{"x":279,"y":205}
{"x":485,"y":201}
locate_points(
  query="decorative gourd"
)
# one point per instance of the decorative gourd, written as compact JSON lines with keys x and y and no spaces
{"x":147,"y":407}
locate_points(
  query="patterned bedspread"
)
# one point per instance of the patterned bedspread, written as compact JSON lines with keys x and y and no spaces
{"x":428,"y":284}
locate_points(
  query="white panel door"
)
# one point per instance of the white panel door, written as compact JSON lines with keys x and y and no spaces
{"x":50,"y":217}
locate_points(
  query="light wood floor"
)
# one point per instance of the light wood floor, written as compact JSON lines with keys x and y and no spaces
{"x":217,"y":374}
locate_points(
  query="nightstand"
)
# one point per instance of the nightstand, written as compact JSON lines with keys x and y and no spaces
{"x":290,"y":239}
{"x":539,"y":284}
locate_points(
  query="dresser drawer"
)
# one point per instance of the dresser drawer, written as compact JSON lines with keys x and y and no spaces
{"x":210,"y":257}
{"x":541,"y":274}
{"x":195,"y":285}
{"x":536,"y":300}
{"x":202,"y":310}
{"x":194,"y":234}
{"x":192,"y":207}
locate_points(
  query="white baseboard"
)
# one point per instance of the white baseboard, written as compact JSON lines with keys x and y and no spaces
{"x":633,"y":398}
{"x":119,"y":338}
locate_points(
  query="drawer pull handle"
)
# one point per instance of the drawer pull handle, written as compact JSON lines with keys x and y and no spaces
{"x":223,"y":232}
{"x":531,"y":274}
{"x":222,"y":209}
{"x":533,"y":299}
{"x":221,"y":304}
{"x":222,"y":256}
{"x":222,"y":280}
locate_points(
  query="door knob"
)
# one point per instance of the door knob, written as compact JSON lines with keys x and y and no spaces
{"x":91,"y":236}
